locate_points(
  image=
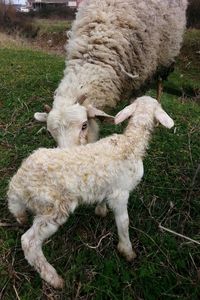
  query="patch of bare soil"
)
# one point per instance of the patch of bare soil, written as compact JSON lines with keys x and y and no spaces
{"x":51,"y":42}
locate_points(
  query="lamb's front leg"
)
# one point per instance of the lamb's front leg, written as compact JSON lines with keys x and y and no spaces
{"x":118,"y":203}
{"x":43,"y":227}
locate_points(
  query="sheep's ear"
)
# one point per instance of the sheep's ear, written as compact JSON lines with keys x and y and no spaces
{"x":125,"y":113}
{"x":163,"y":118}
{"x":41,"y":117}
{"x":81,"y":99}
{"x":93,"y":112}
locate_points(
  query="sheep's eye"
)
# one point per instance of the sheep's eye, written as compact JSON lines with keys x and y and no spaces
{"x":84,"y":126}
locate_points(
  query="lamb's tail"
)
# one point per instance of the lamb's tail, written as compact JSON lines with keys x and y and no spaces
{"x":17,"y":207}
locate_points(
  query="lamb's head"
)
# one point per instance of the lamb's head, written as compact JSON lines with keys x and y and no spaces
{"x":143,"y":109}
{"x":72,"y":125}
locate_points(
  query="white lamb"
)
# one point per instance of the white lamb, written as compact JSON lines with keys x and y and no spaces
{"x":115,"y":47}
{"x":53,"y":182}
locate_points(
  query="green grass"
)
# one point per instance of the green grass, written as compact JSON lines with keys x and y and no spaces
{"x":52,"y":26}
{"x":186,"y":76}
{"x":167,"y":266}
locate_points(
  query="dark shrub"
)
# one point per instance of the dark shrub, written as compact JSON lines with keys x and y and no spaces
{"x":54,"y":11}
{"x":193,"y":14}
{"x":12,"y":21}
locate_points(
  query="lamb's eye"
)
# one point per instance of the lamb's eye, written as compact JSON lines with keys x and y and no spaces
{"x":84,"y":125}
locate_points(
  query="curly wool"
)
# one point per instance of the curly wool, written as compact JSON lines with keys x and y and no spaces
{"x":111,"y":38}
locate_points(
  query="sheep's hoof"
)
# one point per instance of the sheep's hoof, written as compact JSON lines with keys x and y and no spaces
{"x":129,"y":254}
{"x":101,"y":210}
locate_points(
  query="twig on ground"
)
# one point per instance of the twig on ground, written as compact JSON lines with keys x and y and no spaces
{"x":160,"y":249}
{"x":193,"y":182}
{"x":178,"y":234}
{"x":3,"y":289}
{"x":78,"y":291}
{"x":23,"y":104}
{"x":95,"y":247}
{"x":195,"y":175}
{"x":12,"y":119}
{"x":4,"y":224}
{"x":171,"y":296}
{"x":189,"y":147}
{"x":13,"y":257}
{"x":147,"y":235}
{"x":148,"y":210}
{"x":193,"y":261}
{"x":43,"y":128}
{"x":18,"y":298}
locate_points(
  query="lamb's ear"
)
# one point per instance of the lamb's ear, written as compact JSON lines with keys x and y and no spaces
{"x":41,"y":117}
{"x":163,"y":118}
{"x":93,"y":112}
{"x":125,"y":113}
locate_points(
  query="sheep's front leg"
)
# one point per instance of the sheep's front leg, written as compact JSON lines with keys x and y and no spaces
{"x":118,"y":203}
{"x":42,"y":228}
{"x":159,"y":89}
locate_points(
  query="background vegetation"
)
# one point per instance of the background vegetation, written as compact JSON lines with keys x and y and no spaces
{"x":167,"y":266}
{"x":193,"y":14}
{"x":26,"y":24}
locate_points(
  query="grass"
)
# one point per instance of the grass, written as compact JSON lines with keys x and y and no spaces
{"x":185,"y":79}
{"x":49,"y":26}
{"x":167,"y":266}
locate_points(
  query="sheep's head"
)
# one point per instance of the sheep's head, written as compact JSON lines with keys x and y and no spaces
{"x":72,"y":125}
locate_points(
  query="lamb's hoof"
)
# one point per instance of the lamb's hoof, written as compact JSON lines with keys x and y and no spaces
{"x":129,"y":254}
{"x":50,"y":275}
{"x":57,"y":282}
{"x":22,"y":219}
{"x":101,"y":211}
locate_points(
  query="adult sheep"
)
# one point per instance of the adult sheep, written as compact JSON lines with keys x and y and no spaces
{"x":115,"y":47}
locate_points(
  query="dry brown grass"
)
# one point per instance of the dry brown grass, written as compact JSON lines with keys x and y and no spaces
{"x":8,"y":41}
{"x":17,"y":42}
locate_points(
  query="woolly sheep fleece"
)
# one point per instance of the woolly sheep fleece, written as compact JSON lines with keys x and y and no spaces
{"x":111,"y":38}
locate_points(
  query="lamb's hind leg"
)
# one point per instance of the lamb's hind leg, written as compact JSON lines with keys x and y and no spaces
{"x":118,"y":203}
{"x":101,"y":209}
{"x":43,"y":227}
{"x":17,"y":208}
